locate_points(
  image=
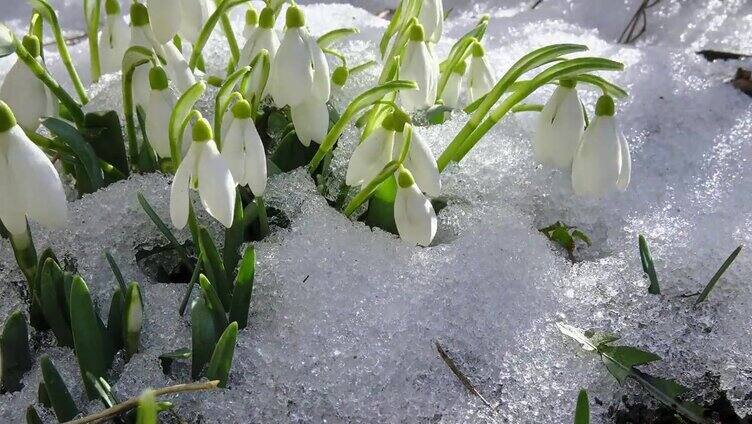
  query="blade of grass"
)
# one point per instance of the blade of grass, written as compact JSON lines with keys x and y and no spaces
{"x":711,"y":284}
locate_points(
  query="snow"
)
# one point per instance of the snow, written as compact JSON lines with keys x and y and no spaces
{"x":344,"y":318}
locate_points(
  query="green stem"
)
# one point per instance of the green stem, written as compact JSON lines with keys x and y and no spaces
{"x":371,"y":187}
{"x":92,"y":29}
{"x":262,"y":217}
{"x":130,"y":122}
{"x":219,"y":14}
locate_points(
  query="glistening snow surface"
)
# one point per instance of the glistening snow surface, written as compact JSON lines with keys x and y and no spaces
{"x":344,"y":318}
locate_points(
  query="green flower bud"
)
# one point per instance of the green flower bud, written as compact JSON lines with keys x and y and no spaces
{"x":405,"y":178}
{"x":157,"y":78}
{"x":251,"y":17}
{"x":568,"y":83}
{"x":139,"y":15}
{"x":266,"y":18}
{"x":202,"y":131}
{"x":478,"y":50}
{"x":7,"y":119}
{"x":294,"y":18}
{"x":112,"y":7}
{"x":605,"y":106}
{"x":242,"y":110}
{"x":340,"y":75}
{"x":32,"y":45}
{"x":417,"y":33}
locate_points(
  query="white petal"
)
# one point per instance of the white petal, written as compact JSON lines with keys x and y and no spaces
{"x":292,"y":69}
{"x":177,"y":68}
{"x":596,"y":165}
{"x":113,"y":42}
{"x":158,"y":112}
{"x":215,"y":185}
{"x":195,"y":13}
{"x":37,"y":180}
{"x":180,"y":184}
{"x":26,"y":95}
{"x":451,"y":94}
{"x":311,"y":121}
{"x":625,"y":173}
{"x":12,"y":209}
{"x":370,"y":157}
{"x":414,"y":215}
{"x":255,"y":161}
{"x":165,"y":17}
{"x":431,"y":16}
{"x":141,"y":87}
{"x":418,"y":66}
{"x":233,"y":151}
{"x":480,"y":79}
{"x":560,"y":128}
{"x":321,"y":77}
{"x":421,"y":163}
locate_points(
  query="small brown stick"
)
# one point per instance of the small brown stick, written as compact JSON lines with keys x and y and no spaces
{"x":536,"y":4}
{"x":133,"y":403}
{"x":640,"y":18}
{"x":461,"y":376}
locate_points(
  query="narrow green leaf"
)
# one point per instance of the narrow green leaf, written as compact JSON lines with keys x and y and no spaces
{"x":213,"y":302}
{"x":606,"y":86}
{"x":164,"y":230}
{"x":215,"y":269}
{"x":42,"y":396}
{"x":116,"y":271}
{"x":711,"y":284}
{"x":241,"y":295}
{"x":83,"y":150}
{"x":32,"y":417}
{"x":59,"y":396}
{"x":105,"y":134}
{"x":104,"y":391}
{"x":147,"y":409}
{"x":222,"y":100}
{"x":619,"y":360}
{"x":194,"y":279}
{"x":221,"y":360}
{"x":116,"y":319}
{"x":333,"y":36}
{"x":88,"y":335}
{"x":234,"y":237}
{"x":52,"y":291}
{"x":180,"y":113}
{"x":15,"y":356}
{"x":648,"y":267}
{"x":204,"y":335}
{"x":582,"y":411}
{"x":219,"y":13}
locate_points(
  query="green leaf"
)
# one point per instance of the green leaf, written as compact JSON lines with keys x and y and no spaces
{"x":213,"y":302}
{"x":580,"y":235}
{"x":333,"y":36}
{"x":234,"y":237}
{"x":619,"y":360}
{"x":147,"y":409}
{"x":15,"y":356}
{"x":42,"y":396}
{"x":711,"y":284}
{"x":562,"y":237}
{"x":222,"y":101}
{"x":380,"y":212}
{"x":241,"y":295}
{"x":6,"y":41}
{"x":648,"y":267}
{"x":83,"y":150}
{"x":59,"y":396}
{"x":204,"y":334}
{"x":88,"y":336}
{"x":164,"y":230}
{"x":116,"y":271}
{"x":104,"y":133}
{"x":180,"y":113}
{"x":104,"y":391}
{"x":168,"y":358}
{"x":221,"y":360}
{"x":134,"y":311}
{"x":32,"y":417}
{"x":582,"y":411}
{"x":115,"y":319}
{"x":53,"y":300}
{"x":215,"y":268}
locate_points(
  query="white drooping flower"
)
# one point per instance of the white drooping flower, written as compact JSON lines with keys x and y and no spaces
{"x":420,"y":162}
{"x":195,"y":13}
{"x":453,"y":88}
{"x":166,"y":17}
{"x":263,"y":38}
{"x":311,"y":121}
{"x":177,"y":67}
{"x":299,"y":72}
{"x":602,"y":163}
{"x":141,"y":36}
{"x":413,"y":213}
{"x":114,"y":39}
{"x":158,"y":112}
{"x":431,"y":16}
{"x":29,"y":184}
{"x":480,"y":77}
{"x":251,"y":23}
{"x":372,"y":154}
{"x":419,"y":65}
{"x":560,"y":127}
{"x":26,"y":94}
{"x":243,"y":150}
{"x":203,"y":169}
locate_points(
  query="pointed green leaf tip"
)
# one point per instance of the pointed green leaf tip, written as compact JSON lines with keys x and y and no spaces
{"x":242,"y":110}
{"x":266,"y":18}
{"x":478,"y":50}
{"x":32,"y":45}
{"x":294,"y":18}
{"x":340,"y":75}
{"x":582,"y":410}
{"x":202,"y":131}
{"x":158,"y":78}
{"x":251,"y":17}
{"x":139,"y":15}
{"x":112,"y":7}
{"x":7,"y":119}
{"x":405,"y":178}
{"x":417,"y":33}
{"x":605,"y":106}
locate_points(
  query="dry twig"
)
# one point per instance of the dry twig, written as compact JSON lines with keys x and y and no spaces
{"x":639,"y":20}
{"x":461,"y":376}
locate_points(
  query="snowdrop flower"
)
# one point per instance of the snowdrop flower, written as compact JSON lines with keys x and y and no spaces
{"x":480,"y":79}
{"x":602,"y":163}
{"x":165,"y":19}
{"x":451,"y":94}
{"x":251,"y":22}
{"x":114,"y":38}
{"x":177,"y":67}
{"x":263,"y":38}
{"x":300,"y":72}
{"x":431,"y":16}
{"x":311,"y":121}
{"x":141,"y":36}
{"x":421,"y":163}
{"x":29,"y":183}
{"x":373,"y":153}
{"x":419,"y":65}
{"x":195,"y":13}
{"x":203,"y":169}
{"x":158,"y":111}
{"x":29,"y":98}
{"x":413,"y":213}
{"x":243,"y":150}
{"x":560,"y":127}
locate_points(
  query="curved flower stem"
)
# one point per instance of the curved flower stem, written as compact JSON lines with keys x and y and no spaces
{"x":462,"y":52}
{"x":40,"y":72}
{"x":219,"y":14}
{"x":477,"y":33}
{"x":178,"y":120}
{"x":371,"y":187}
{"x":36,"y":28}
{"x":48,"y":13}
{"x":607,"y":87}
{"x":133,"y":403}
{"x":362,"y":67}
{"x":336,"y":54}
{"x":527,"y":107}
{"x":262,"y":217}
{"x":333,"y":36}
{"x":92,"y":10}
{"x":224,"y":97}
{"x":361,"y":102}
{"x":570,"y":68}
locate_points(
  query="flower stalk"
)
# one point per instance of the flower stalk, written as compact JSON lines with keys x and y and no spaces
{"x":220,"y":14}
